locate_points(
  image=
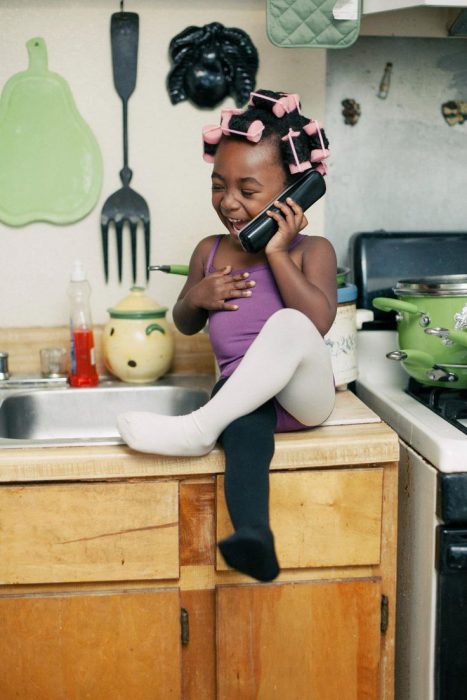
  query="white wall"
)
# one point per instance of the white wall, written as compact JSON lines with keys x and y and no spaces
{"x":165,"y":143}
{"x":401,"y":167}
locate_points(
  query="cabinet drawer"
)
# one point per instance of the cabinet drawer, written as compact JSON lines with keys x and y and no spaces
{"x":320,"y":517}
{"x":89,"y":532}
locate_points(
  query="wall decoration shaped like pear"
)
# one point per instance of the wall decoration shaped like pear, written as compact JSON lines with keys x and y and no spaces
{"x":50,"y":161}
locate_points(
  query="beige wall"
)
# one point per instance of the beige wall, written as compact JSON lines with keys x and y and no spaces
{"x":165,"y":146}
{"x":165,"y":142}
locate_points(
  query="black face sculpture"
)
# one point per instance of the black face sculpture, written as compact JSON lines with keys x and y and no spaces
{"x":210,"y":63}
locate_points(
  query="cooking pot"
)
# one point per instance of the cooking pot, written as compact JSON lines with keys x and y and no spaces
{"x":137,"y":342}
{"x":431,"y":316}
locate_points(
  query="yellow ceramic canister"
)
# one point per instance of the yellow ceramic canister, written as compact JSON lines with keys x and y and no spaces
{"x":137,"y":342}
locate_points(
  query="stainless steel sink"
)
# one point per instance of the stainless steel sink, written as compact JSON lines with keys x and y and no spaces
{"x":65,"y":416}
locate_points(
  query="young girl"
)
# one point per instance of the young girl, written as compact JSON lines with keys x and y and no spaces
{"x":267,"y":313}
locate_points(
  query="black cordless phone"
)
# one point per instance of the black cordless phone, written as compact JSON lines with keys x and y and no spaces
{"x":305,"y":191}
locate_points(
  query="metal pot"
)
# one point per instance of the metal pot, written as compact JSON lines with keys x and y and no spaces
{"x":431,"y":318}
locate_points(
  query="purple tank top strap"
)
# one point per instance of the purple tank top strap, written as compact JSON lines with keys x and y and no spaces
{"x":212,"y":252}
{"x":296,"y":240}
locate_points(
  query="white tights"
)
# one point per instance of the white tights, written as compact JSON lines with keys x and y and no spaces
{"x":288,"y":360}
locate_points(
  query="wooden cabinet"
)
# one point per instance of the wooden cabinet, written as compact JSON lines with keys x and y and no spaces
{"x":299,"y":640}
{"x":99,"y":645}
{"x":115,"y":590}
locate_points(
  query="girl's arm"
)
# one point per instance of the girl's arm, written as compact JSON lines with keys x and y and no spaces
{"x":313,"y":288}
{"x":202,"y":293}
{"x":188,"y":317}
{"x":308,"y":285}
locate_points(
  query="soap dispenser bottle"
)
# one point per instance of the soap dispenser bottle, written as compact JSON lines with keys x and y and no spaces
{"x":83,"y":360}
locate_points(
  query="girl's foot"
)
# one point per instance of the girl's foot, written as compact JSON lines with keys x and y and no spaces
{"x":251,"y":551}
{"x":176,"y":436}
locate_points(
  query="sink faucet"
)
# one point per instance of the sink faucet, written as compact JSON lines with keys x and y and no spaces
{"x":4,"y":373}
{"x":7,"y":380}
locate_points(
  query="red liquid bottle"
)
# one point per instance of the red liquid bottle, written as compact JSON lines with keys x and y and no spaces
{"x":83,"y":359}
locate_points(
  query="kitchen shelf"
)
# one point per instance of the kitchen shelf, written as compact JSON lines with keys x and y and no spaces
{"x":372,"y":6}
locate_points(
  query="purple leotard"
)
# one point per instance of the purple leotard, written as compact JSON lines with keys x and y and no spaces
{"x":232,"y":332}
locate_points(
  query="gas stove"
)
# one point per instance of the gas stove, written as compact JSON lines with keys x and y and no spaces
{"x":431,"y":610}
{"x":384,"y":386}
{"x":449,"y":403}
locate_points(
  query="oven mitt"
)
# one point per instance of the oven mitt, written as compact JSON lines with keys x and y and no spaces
{"x":327,"y":24}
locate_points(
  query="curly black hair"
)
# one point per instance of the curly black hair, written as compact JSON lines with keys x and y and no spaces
{"x":273,"y":115}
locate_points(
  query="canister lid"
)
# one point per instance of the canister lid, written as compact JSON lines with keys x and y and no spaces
{"x":137,"y":305}
{"x":346,"y":293}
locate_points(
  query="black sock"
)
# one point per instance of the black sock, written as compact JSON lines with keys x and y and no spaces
{"x":251,"y":551}
{"x":248,"y":445}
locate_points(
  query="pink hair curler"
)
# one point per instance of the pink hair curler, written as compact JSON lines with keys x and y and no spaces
{"x":253,"y":134}
{"x":298,"y":166}
{"x":286,"y":104}
{"x":318,"y":154}
{"x":321,"y":169}
{"x":230,"y":112}
{"x":311,"y":128}
{"x":212,"y":134}
{"x":314,"y":128}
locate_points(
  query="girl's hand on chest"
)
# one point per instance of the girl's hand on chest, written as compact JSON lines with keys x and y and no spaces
{"x":215,"y":291}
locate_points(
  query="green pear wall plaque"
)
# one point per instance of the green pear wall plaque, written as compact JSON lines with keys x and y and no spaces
{"x":50,"y":162}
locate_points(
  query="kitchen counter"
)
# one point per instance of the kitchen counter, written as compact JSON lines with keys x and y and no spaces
{"x":352,"y":435}
{"x":112,"y":550}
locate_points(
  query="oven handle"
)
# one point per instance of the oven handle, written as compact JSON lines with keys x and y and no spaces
{"x":452,"y":550}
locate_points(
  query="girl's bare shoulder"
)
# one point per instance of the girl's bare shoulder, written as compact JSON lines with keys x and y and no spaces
{"x":314,"y":246}
{"x":203,"y":249}
{"x":310,"y":241}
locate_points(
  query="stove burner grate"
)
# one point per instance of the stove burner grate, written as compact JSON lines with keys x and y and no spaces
{"x":450,"y":404}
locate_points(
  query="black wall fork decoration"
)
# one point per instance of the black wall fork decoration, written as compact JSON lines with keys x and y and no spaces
{"x":125,"y":206}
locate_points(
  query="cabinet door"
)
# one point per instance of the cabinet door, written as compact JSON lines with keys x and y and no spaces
{"x":98,"y":646}
{"x":300,"y":641}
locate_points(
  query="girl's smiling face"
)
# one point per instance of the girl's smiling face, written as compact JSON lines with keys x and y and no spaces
{"x":245,"y":179}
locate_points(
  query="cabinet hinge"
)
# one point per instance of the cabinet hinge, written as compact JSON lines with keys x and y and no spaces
{"x":184,"y":626}
{"x":384,"y":614}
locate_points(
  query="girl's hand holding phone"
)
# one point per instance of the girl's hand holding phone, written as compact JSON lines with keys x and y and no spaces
{"x":213,"y":291}
{"x":291,"y":220}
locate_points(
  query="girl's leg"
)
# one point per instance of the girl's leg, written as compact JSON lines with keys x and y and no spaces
{"x":248,"y":445}
{"x":288,"y":359}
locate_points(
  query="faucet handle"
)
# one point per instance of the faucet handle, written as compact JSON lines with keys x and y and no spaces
{"x":4,"y":373}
